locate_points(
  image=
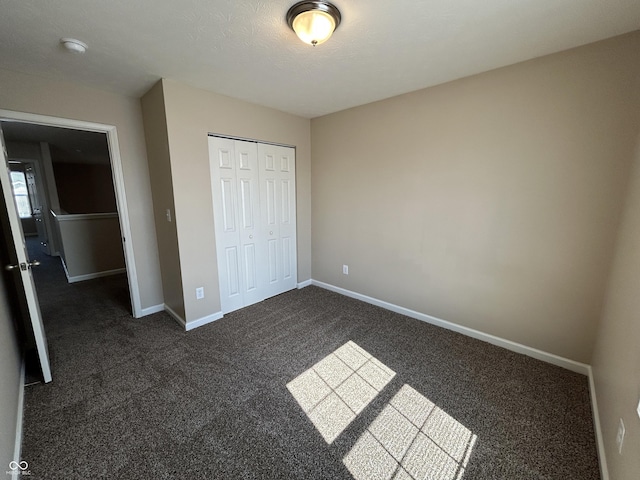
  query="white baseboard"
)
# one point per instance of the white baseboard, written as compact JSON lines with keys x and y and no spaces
{"x":193,"y":323}
{"x":89,"y":276}
{"x":604,"y":471}
{"x":17,"y":449}
{"x":203,"y":321}
{"x":470,"y":332}
{"x":571,"y":365}
{"x":306,"y":283}
{"x":150,"y":310}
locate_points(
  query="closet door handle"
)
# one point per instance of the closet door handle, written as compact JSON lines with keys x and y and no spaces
{"x":270,"y":233}
{"x":250,"y":237}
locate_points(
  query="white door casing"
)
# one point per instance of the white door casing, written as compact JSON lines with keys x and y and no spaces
{"x":248,"y":199}
{"x":22,"y":270}
{"x":118,"y":183}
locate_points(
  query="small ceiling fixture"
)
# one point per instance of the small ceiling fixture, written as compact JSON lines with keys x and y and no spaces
{"x":313,"y":21}
{"x":73,"y":45}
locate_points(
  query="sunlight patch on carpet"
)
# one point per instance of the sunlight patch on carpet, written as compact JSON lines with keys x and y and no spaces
{"x":340,"y":386}
{"x":411,"y":438}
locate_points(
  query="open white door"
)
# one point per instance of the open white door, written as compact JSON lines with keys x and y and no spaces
{"x":22,"y":270}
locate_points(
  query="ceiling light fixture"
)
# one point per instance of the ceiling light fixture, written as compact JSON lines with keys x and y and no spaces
{"x":73,"y":45}
{"x":313,"y":21}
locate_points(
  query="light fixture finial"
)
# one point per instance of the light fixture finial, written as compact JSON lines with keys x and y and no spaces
{"x":313,"y":21}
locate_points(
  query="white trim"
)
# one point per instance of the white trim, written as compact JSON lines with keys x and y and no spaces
{"x":118,"y":185}
{"x":17,"y":449}
{"x":203,"y":321}
{"x":91,"y":276}
{"x":604,"y":471}
{"x":151,"y":310}
{"x":485,"y":337}
{"x":252,"y":140}
{"x":193,"y":323}
{"x":67,"y":217}
{"x":123,"y":215}
{"x":306,"y":283}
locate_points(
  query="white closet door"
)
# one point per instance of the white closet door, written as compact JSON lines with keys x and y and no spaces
{"x":277,"y":200}
{"x":251,"y":236}
{"x":234,"y":178}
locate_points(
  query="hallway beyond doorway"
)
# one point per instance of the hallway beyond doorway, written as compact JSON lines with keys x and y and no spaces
{"x":65,"y":306}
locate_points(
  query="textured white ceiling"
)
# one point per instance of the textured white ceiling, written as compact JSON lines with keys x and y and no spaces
{"x":244,"y":48}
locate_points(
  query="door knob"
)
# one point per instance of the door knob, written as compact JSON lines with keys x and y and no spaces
{"x":250,"y":237}
{"x":22,"y":266}
{"x":270,"y":233}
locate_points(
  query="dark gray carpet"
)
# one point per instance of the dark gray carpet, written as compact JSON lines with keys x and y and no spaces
{"x":143,"y":399}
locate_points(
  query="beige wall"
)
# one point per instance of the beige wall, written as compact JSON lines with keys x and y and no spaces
{"x":191,"y":114}
{"x":90,"y":244}
{"x":491,"y":201}
{"x":10,"y":381}
{"x":33,"y":94}
{"x":616,"y":360}
{"x":157,"y":140}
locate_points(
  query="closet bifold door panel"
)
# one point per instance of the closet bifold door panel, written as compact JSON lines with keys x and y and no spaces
{"x":236,"y":209}
{"x":254,"y":217}
{"x":278,"y":207}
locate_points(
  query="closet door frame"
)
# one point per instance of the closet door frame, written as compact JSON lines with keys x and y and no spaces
{"x":242,"y":232}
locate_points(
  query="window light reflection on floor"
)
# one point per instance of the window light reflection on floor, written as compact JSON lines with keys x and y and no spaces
{"x":337,"y":388}
{"x":411,"y":439}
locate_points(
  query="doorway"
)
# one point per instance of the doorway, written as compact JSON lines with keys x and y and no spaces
{"x":57,"y":159}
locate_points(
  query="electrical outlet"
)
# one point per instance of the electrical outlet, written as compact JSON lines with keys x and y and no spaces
{"x":345,"y":269}
{"x":199,"y":293}
{"x":168,"y":215}
{"x":638,"y":408}
{"x":620,"y":436}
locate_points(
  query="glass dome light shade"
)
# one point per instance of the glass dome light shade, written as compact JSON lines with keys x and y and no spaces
{"x":314,"y":26}
{"x":314,"y":21}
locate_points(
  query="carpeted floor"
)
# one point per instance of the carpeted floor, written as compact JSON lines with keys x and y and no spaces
{"x":271,"y":391}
